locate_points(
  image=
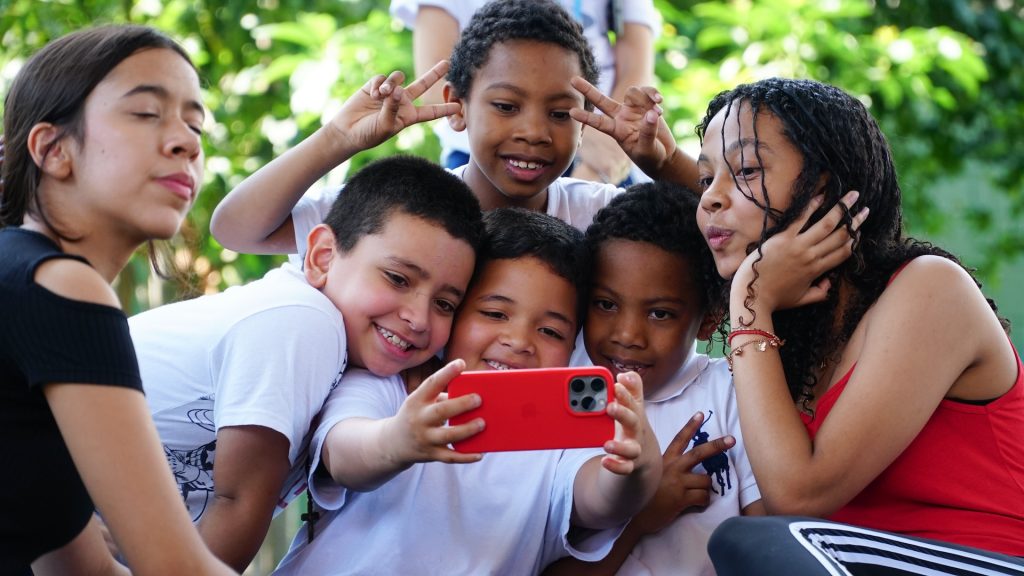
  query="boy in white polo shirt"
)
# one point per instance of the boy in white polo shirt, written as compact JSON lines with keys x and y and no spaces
{"x":654,"y":291}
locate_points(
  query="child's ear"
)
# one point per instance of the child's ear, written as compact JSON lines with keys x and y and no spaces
{"x":322,"y":246}
{"x":458,"y":120}
{"x":49,"y":151}
{"x":708,"y":325}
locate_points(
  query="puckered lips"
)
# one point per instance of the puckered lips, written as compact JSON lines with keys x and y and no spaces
{"x":717,"y":237}
{"x":181,"y":184}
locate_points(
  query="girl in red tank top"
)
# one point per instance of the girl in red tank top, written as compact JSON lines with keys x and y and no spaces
{"x":801,"y":208}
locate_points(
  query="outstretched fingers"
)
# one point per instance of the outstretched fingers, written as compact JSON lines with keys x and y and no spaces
{"x":603,"y":103}
{"x":435,"y":111}
{"x":386,"y":86}
{"x":627,"y":410}
{"x":437,"y":382}
{"x":685,"y":435}
{"x":424,"y":82}
{"x":702,"y":452}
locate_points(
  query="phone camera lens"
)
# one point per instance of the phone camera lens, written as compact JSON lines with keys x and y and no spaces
{"x":578,"y":385}
{"x":597,"y":384}
{"x":587,"y":402}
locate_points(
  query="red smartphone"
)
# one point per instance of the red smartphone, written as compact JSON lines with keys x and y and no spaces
{"x":536,"y":409}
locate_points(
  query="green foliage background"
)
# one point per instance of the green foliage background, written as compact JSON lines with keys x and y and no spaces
{"x":941,"y":76}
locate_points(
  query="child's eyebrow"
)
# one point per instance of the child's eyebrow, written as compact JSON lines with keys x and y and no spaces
{"x":423,"y":274}
{"x":647,"y":302}
{"x":568,"y":94}
{"x":758,"y":145}
{"x":163,"y":94}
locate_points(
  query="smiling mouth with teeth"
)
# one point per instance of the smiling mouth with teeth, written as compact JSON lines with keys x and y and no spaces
{"x":394,"y":339}
{"x":497,"y":365}
{"x":623,"y":367}
{"x":525,"y":165}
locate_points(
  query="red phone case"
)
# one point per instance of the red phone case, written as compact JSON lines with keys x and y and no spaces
{"x":530,"y":409}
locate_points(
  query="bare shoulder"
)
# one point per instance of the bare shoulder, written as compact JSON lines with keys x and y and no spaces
{"x":932,"y":281}
{"x":934,"y":320}
{"x":75,"y":280}
{"x":930,"y":303}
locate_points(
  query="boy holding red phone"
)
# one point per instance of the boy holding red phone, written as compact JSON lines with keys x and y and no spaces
{"x":380,"y":453}
{"x":654,"y":291}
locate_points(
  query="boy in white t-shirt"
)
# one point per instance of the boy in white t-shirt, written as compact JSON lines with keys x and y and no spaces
{"x":654,"y":291}
{"x":398,"y":500}
{"x":623,"y":61}
{"x":519,"y":84}
{"x":233,"y":380}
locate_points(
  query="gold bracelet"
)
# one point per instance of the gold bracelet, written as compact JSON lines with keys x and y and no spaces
{"x":760,"y":345}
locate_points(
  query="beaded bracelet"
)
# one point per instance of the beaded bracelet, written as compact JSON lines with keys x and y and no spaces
{"x":750,"y":331}
{"x":759,"y":345}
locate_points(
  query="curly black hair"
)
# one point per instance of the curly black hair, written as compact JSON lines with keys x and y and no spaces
{"x":663,"y":214}
{"x":842,"y":145}
{"x":512,"y":233}
{"x":508,"y":20}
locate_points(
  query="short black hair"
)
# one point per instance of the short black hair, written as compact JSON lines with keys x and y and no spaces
{"x":508,"y":20}
{"x":410,"y":185}
{"x":663,"y":214}
{"x":517,"y":233}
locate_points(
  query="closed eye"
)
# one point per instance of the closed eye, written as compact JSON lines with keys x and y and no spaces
{"x":551,"y":332}
{"x":494,"y":314}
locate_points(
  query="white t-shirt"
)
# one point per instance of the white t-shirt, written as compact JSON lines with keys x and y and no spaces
{"x":592,"y":14}
{"x":702,"y":384}
{"x":263,"y":354}
{"x":571,"y":200}
{"x":508,"y":514}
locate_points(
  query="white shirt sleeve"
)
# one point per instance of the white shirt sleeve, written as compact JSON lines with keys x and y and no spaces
{"x":588,"y":545}
{"x":640,"y":12}
{"x":461,"y":10}
{"x":275,"y":368}
{"x":360,"y":394}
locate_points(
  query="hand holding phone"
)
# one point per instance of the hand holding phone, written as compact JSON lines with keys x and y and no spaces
{"x":418,"y":432}
{"x":536,"y":409}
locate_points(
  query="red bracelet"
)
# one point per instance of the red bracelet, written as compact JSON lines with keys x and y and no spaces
{"x":752,"y":332}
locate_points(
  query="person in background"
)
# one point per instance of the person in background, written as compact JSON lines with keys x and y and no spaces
{"x":623,"y":61}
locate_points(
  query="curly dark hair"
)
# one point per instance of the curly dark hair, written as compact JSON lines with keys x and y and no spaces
{"x":842,"y":145}
{"x":512,"y":233}
{"x":508,"y":20}
{"x":663,"y":214}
